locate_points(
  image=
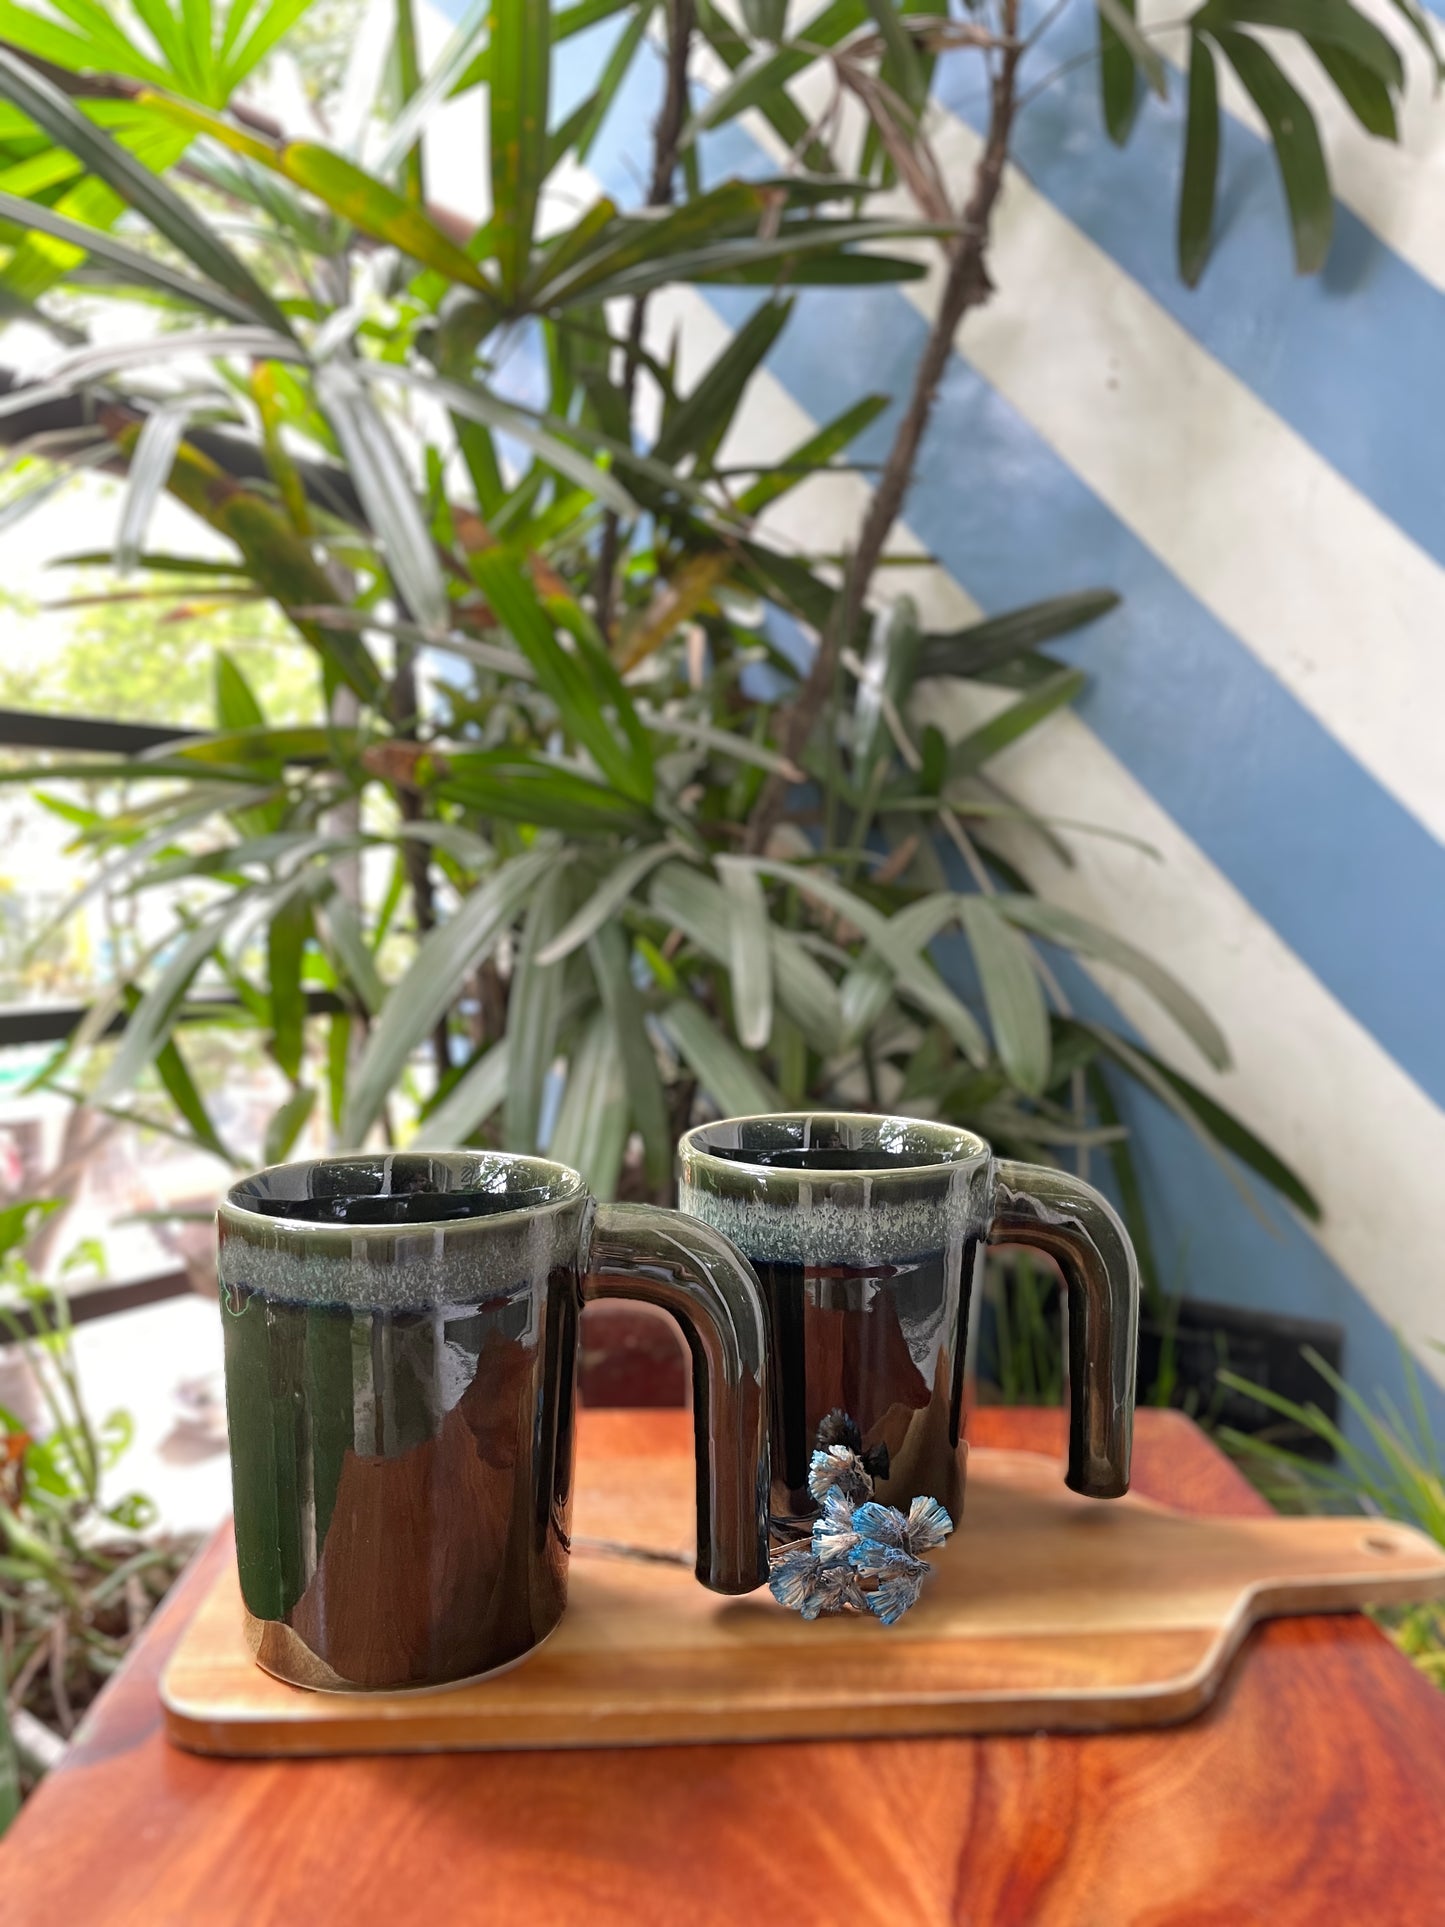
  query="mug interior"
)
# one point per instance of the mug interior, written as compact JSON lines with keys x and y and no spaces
{"x":838,"y":1142}
{"x":404,"y":1187}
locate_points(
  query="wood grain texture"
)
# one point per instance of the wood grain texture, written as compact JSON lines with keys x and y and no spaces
{"x":1311,"y":1793}
{"x":1045,"y":1611}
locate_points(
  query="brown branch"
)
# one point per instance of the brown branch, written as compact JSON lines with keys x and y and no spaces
{"x":966,"y":285}
{"x":666,"y":145}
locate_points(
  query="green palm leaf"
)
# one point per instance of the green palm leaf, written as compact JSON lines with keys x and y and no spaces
{"x":181,"y":225}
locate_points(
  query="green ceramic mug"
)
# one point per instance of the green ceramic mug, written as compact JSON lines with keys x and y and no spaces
{"x":401,"y":1375}
{"x":867,"y":1234}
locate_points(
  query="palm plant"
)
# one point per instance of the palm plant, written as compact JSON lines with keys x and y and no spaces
{"x":578,"y":845}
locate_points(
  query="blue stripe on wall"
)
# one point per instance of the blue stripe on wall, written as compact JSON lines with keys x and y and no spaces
{"x":1348,"y":358}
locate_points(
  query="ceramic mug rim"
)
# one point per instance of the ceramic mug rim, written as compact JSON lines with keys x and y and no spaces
{"x":964,"y":1148}
{"x":572,"y":1188}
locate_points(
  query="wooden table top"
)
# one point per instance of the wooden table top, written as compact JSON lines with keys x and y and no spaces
{"x":1312,"y":1792}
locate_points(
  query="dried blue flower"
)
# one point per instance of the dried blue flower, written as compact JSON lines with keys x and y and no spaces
{"x":791,"y":1576}
{"x":803,"y":1582}
{"x":890,"y":1600}
{"x":838,"y":1468}
{"x":872,"y":1561}
{"x":884,"y":1524}
{"x":856,"y":1540}
{"x":834,"y":1535}
{"x":928,"y":1525}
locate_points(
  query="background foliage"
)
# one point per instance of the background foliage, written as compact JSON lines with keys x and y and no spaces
{"x":571,"y":838}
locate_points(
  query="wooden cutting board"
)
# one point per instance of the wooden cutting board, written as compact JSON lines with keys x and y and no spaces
{"x":1045,"y":1611}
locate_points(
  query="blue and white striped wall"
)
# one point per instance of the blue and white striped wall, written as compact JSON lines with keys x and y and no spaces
{"x":1258,"y":467}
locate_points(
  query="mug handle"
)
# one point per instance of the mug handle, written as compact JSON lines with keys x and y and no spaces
{"x":664,"y":1258}
{"x":1060,"y":1215}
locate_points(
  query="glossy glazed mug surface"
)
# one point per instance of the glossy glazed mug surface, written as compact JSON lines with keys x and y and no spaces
{"x":867,"y":1234}
{"x":401,"y":1363}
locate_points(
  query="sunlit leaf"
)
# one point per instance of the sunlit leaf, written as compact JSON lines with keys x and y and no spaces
{"x":914,"y":974}
{"x":371,"y":206}
{"x":591,"y":1133}
{"x":445,"y":958}
{"x":514,"y":784}
{"x":584,"y":687}
{"x":479,"y":404}
{"x":675,"y":600}
{"x":476,"y":1096}
{"x":150,"y":469}
{"x":520,"y":73}
{"x":287,"y":1123}
{"x":749,"y":952}
{"x":889,"y":668}
{"x":605,"y":901}
{"x":141,"y":270}
{"x":534,"y":1010}
{"x":735,"y":1086}
{"x":171,"y":216}
{"x":1012,"y":994}
{"x":386,"y":492}
{"x":610,"y":956}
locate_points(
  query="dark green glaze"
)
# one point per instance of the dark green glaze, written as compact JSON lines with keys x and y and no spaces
{"x":401,"y":1391}
{"x":867,"y":1234}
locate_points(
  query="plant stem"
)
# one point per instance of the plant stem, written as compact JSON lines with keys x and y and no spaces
{"x":966,"y":285}
{"x":666,"y":143}
{"x":409,"y":75}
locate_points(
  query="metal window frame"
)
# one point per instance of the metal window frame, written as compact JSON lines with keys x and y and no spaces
{"x":34,"y":729}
